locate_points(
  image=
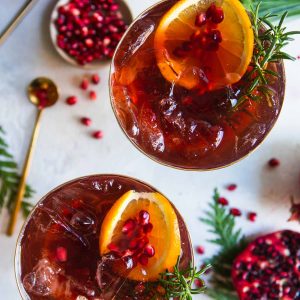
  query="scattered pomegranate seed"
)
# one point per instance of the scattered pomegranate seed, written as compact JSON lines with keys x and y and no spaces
{"x":232,"y":187}
{"x":128,"y":226}
{"x":95,"y":79}
{"x":143,"y":260}
{"x":200,"y":19}
{"x":148,"y":228}
{"x":61,"y":254}
{"x":149,"y":251}
{"x":84,"y":84}
{"x":86,"y":121}
{"x":98,"y":134}
{"x":223,"y":201}
{"x":144,"y":217}
{"x":93,"y":95}
{"x":198,"y":283}
{"x":200,"y":250}
{"x":274,"y":162}
{"x":235,"y":212}
{"x":252,"y":216}
{"x":72,"y":100}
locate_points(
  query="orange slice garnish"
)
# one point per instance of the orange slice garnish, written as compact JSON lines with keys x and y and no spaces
{"x":164,"y":236}
{"x":215,"y":69}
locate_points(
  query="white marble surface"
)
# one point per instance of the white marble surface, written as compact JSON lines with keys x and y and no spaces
{"x":65,"y":149}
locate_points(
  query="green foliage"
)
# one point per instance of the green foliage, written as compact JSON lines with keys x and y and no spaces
{"x":231,"y":243}
{"x":9,"y":180}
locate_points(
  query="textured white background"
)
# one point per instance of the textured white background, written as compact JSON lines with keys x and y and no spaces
{"x":66,"y":150}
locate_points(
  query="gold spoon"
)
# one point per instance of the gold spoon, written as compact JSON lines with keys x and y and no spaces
{"x":42,"y":92}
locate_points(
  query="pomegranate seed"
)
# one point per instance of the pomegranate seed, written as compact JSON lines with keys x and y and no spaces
{"x":86,"y":121}
{"x":84,"y":84}
{"x":93,"y":95}
{"x":61,"y":254}
{"x":128,"y":226}
{"x":274,"y":162}
{"x":148,"y":228}
{"x":218,"y":15}
{"x":235,"y":212}
{"x":98,"y":134}
{"x":223,"y":201}
{"x":149,"y":251}
{"x":200,"y":19}
{"x":71,"y":100}
{"x":113,"y":247}
{"x":232,"y":187}
{"x":198,"y":283}
{"x":143,"y":260}
{"x":200,"y":250}
{"x":215,"y":35}
{"x":143,"y":242}
{"x":252,"y":216}
{"x":133,"y":244}
{"x":95,"y":79}
{"x":144,"y":217}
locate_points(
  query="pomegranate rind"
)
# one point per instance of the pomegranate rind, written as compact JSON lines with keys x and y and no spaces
{"x":248,"y":268}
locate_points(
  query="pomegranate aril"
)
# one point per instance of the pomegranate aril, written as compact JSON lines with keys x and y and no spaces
{"x":143,"y":242}
{"x":149,"y":251}
{"x":113,"y":247}
{"x":86,"y":121}
{"x":274,"y":162}
{"x":223,"y":201}
{"x":129,"y":226}
{"x":93,"y":95}
{"x":84,"y":84}
{"x":215,"y":35}
{"x":98,"y":134}
{"x":61,"y":254}
{"x":200,"y":19}
{"x":144,"y":217}
{"x":95,"y":79}
{"x":147,"y":228}
{"x":200,"y":250}
{"x":133,"y":244}
{"x":218,"y":15}
{"x":143,"y":260}
{"x":72,"y":100}
{"x":198,"y":283}
{"x":231,"y":187}
{"x":235,"y":212}
{"x":252,"y":216}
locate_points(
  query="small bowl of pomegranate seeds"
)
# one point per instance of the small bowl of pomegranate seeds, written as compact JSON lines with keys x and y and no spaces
{"x":87,"y":32}
{"x":100,"y":237}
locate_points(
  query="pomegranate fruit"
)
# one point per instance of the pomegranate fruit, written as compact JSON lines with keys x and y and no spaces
{"x":269,"y":268}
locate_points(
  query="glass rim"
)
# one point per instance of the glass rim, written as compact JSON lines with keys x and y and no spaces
{"x":17,"y":253}
{"x":154,"y":158}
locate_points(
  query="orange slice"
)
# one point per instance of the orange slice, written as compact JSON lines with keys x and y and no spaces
{"x":165,"y":235}
{"x":214,"y":68}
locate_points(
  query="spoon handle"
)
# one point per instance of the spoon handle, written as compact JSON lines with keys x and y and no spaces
{"x":22,"y":184}
{"x":16,"y":20}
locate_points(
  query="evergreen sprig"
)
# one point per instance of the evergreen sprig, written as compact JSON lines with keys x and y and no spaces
{"x":9,"y":180}
{"x":268,"y":48}
{"x":180,"y":284}
{"x":231,"y":242}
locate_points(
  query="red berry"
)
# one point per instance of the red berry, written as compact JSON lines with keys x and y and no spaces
{"x":84,"y":84}
{"x":98,"y":134}
{"x":128,"y":226}
{"x":147,"y":228}
{"x":149,"y":251}
{"x":143,"y":260}
{"x":198,"y":283}
{"x":61,"y":254}
{"x":72,"y":100}
{"x":274,"y":162}
{"x":252,"y":216}
{"x":200,"y":19}
{"x":235,"y":212}
{"x":231,"y":187}
{"x":93,"y":95}
{"x":95,"y":79}
{"x":200,"y":250}
{"x":86,"y":121}
{"x":223,"y":201}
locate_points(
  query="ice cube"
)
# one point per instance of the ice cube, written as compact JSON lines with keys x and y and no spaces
{"x":107,"y":186}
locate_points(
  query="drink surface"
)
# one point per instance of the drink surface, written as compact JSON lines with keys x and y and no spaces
{"x":181,"y":127}
{"x":58,"y":250}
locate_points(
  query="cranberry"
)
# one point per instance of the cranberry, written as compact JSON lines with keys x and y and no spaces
{"x":274,"y":162}
{"x":149,"y":251}
{"x":86,"y":121}
{"x":200,"y":20}
{"x":98,"y":134}
{"x":128,"y":226}
{"x":72,"y":100}
{"x":84,"y":84}
{"x":200,"y":250}
{"x":144,"y":217}
{"x":252,"y":216}
{"x":95,"y":79}
{"x":61,"y":254}
{"x":235,"y":212}
{"x":93,"y":95}
{"x":223,"y":201}
{"x":232,"y":187}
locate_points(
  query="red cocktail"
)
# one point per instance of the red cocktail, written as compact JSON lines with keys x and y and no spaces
{"x":182,"y":92}
{"x":70,"y":249}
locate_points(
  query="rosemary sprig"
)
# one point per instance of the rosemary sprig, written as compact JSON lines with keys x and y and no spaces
{"x":180,"y":283}
{"x":9,"y":180}
{"x":268,"y":49}
{"x":231,"y":243}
